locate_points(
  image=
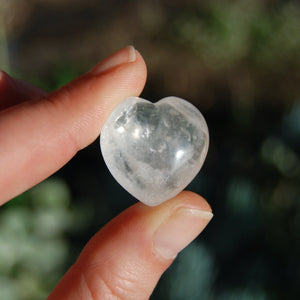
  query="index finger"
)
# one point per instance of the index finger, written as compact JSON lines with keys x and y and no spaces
{"x":38,"y":137}
{"x":14,"y":91}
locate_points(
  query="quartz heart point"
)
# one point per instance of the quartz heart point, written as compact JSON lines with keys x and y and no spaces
{"x":154,"y":150}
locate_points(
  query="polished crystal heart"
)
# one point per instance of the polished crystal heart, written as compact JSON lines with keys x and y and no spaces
{"x":154,"y":150}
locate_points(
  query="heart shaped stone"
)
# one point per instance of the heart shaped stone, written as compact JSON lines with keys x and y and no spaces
{"x":154,"y":150}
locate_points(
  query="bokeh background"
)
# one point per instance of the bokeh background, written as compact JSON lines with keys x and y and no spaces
{"x":239,"y":63}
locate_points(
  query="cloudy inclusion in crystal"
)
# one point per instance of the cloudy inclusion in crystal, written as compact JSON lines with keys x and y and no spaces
{"x":154,"y":150}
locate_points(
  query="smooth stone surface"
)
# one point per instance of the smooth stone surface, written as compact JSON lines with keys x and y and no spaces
{"x":154,"y":150}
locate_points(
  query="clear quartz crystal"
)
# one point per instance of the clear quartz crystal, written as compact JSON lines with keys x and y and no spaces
{"x":154,"y":150}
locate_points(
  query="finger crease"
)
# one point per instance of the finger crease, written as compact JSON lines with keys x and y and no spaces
{"x":110,"y":290}
{"x":86,"y":288}
{"x":58,"y":105}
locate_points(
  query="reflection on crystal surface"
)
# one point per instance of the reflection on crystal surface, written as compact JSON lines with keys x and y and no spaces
{"x":154,"y":150}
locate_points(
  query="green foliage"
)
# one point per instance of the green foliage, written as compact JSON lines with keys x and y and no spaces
{"x":34,"y":248}
{"x":224,"y":33}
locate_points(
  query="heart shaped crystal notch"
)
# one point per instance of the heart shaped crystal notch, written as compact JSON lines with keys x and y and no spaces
{"x":154,"y":150}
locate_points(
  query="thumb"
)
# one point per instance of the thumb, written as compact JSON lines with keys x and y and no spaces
{"x":126,"y":258}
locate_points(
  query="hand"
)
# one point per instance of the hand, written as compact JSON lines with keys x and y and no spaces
{"x":40,"y":132}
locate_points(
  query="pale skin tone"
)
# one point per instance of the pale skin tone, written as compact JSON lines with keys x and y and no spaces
{"x":40,"y":132}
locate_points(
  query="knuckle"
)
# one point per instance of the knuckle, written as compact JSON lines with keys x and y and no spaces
{"x":110,"y":284}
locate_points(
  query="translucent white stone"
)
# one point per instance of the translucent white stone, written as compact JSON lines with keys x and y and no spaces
{"x":154,"y":150}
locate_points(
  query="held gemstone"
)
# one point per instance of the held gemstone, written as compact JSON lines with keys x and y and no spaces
{"x":154,"y":150}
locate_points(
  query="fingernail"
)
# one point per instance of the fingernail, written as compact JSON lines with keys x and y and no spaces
{"x":125,"y":55}
{"x":182,"y":227}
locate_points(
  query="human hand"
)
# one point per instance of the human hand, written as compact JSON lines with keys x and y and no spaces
{"x":40,"y":132}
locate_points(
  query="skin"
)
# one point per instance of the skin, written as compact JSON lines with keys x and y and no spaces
{"x":40,"y":132}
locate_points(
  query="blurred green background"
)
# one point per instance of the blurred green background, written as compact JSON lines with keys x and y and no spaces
{"x":239,"y":63}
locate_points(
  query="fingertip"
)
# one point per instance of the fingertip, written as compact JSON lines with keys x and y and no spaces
{"x":186,"y":199}
{"x":123,"y":56}
{"x":142,"y":64}
{"x":193,"y":199}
